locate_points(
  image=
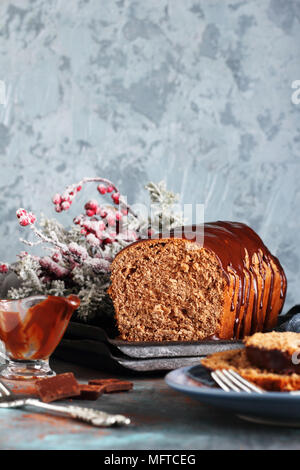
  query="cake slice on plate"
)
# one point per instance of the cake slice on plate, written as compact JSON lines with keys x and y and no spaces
{"x":269,"y":360}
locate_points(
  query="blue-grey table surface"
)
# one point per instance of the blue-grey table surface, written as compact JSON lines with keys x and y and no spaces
{"x":161,"y":419}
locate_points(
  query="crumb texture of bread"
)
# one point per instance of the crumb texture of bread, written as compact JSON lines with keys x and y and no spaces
{"x":159,"y":288}
{"x":174,"y":288}
{"x":237,"y":360}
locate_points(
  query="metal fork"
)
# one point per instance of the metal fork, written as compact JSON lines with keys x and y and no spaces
{"x":8,"y":399}
{"x":229,"y":380}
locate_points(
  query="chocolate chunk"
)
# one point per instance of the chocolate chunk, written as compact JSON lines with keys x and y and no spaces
{"x":57,"y":387}
{"x":112,"y":385}
{"x":90,"y":392}
{"x":121,"y":386}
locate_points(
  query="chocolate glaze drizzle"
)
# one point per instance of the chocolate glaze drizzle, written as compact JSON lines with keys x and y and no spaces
{"x":230,"y":242}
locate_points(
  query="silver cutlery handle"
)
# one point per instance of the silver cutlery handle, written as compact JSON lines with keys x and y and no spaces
{"x":87,"y":415}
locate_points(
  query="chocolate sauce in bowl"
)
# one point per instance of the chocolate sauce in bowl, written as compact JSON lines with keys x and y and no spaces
{"x":35,"y":333}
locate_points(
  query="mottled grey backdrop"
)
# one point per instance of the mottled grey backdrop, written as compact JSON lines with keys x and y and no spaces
{"x":197,"y":92}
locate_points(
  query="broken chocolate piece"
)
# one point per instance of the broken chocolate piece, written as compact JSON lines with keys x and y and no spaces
{"x":90,"y":392}
{"x":57,"y":387}
{"x":121,"y":386}
{"x":112,"y":385}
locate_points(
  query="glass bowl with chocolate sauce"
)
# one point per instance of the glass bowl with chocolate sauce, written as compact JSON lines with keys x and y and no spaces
{"x":31,"y":329}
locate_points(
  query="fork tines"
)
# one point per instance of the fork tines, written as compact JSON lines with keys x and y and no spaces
{"x":229,"y":380}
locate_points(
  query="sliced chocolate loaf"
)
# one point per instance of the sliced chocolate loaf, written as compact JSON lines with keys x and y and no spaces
{"x":186,"y":287}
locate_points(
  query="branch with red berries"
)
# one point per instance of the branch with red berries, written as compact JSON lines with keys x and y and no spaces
{"x":100,"y":224}
{"x":63,"y":201}
{"x":78,"y":259}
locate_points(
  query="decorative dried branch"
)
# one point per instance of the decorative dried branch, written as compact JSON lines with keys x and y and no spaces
{"x":78,"y":259}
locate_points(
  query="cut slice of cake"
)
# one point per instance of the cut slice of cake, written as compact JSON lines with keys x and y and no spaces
{"x":267,"y":360}
{"x":238,"y":361}
{"x":274,"y":351}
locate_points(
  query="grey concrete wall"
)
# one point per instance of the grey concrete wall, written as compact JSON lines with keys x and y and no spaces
{"x":194,"y":91}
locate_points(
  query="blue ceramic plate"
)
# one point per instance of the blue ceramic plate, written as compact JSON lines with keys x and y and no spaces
{"x":280,"y":408}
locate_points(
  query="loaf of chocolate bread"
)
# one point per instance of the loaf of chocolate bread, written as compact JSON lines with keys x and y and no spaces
{"x":185,"y":287}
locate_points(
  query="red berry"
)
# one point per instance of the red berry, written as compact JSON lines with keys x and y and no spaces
{"x":56,"y":257}
{"x":58,"y":208}
{"x":118,"y":215}
{"x":66,"y":205}
{"x":109,"y":189}
{"x":21,"y":212}
{"x":116,"y":198}
{"x":3,"y":268}
{"x":90,"y":212}
{"x":79,"y":188}
{"x":102,"y":189}
{"x":56,"y":199}
{"x":24,"y":221}
{"x":25,"y":218}
{"x":92,"y":205}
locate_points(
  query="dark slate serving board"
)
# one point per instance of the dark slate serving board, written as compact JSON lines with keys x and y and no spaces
{"x":97,"y":355}
{"x":91,"y":346}
{"x":146,"y":350}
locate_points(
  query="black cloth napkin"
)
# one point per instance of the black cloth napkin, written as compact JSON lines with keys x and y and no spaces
{"x":290,"y":321}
